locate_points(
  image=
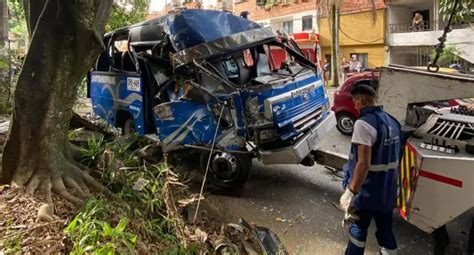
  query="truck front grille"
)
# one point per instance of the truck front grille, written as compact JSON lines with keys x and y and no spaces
{"x":308,"y":121}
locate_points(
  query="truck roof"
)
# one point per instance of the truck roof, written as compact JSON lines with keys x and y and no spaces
{"x":198,"y":33}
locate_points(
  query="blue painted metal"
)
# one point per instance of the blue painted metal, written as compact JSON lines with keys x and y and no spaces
{"x":191,"y":27}
{"x":113,"y":94}
{"x":184,"y":122}
{"x":286,"y":112}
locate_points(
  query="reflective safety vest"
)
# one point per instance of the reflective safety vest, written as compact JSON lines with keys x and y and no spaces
{"x":379,"y":191}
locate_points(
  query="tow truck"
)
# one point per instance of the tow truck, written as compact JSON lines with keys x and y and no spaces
{"x":436,"y":178}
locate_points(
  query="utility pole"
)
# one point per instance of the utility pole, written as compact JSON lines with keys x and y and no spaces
{"x":335,"y":43}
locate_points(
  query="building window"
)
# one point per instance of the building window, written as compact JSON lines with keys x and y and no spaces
{"x":363,"y":58}
{"x":288,"y":27}
{"x":261,"y":3}
{"x":307,"y":23}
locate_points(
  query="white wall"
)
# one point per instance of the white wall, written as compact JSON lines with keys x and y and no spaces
{"x":462,"y":39}
{"x":456,"y":36}
{"x":403,"y":13}
{"x":297,"y":18}
{"x":400,"y":15}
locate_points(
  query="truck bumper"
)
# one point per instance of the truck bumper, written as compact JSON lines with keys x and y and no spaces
{"x":296,"y":153}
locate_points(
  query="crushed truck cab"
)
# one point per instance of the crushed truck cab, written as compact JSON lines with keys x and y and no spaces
{"x":207,"y":80}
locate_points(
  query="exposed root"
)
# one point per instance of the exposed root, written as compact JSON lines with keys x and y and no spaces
{"x":66,"y":180}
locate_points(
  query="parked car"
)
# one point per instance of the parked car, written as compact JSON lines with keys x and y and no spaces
{"x":344,"y":108}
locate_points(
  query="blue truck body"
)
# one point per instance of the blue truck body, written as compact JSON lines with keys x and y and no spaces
{"x":204,"y":80}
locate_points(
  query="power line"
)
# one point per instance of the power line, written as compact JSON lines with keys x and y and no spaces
{"x":359,"y":41}
{"x":275,"y":23}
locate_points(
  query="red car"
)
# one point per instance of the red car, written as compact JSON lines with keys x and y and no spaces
{"x":343,"y":106}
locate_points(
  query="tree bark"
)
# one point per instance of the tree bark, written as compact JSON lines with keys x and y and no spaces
{"x":335,"y":44}
{"x":3,"y":23}
{"x":64,"y":45}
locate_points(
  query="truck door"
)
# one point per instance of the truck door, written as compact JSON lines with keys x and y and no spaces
{"x":116,"y":86}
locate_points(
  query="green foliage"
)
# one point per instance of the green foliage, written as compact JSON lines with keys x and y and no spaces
{"x":91,"y":233}
{"x":5,"y":106}
{"x":132,"y":12}
{"x":13,"y":244}
{"x":17,"y":21}
{"x":137,"y":215}
{"x":464,"y":11}
{"x":447,"y":57}
{"x":94,"y":148}
{"x":3,"y":63}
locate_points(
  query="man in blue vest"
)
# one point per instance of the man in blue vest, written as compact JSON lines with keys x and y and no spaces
{"x":371,"y":172}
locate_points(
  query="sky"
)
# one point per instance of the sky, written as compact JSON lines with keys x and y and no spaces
{"x":157,"y":5}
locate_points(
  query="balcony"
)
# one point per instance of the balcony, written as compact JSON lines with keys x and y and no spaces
{"x":426,"y":25}
{"x":427,"y":33}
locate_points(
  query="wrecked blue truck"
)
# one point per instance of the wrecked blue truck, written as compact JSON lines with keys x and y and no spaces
{"x":206,"y":80}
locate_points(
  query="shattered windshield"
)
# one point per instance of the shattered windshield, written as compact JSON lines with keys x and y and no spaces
{"x":250,"y":65}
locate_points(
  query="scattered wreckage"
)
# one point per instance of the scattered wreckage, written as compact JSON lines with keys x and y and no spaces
{"x":207,"y":80}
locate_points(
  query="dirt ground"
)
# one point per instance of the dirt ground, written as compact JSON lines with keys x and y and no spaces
{"x":21,"y":229}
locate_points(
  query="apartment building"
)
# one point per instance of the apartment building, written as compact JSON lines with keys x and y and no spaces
{"x":412,"y":45}
{"x":358,"y":35}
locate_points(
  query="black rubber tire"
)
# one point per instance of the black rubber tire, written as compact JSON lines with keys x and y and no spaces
{"x":470,"y":242}
{"x":441,"y":240}
{"x":341,"y":126}
{"x":128,"y":127}
{"x":237,"y":181}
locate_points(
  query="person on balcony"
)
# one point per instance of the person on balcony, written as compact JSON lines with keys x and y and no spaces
{"x":417,"y":22}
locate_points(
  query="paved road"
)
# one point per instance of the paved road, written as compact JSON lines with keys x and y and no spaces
{"x":296,"y":202}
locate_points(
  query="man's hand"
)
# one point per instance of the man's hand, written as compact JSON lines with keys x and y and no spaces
{"x":346,"y":200}
{"x":345,"y":203}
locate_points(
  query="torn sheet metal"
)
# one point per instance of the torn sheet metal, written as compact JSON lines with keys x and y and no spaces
{"x":181,"y":125}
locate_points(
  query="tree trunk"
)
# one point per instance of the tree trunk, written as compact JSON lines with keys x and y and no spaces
{"x":3,"y":22}
{"x":64,"y":45}
{"x":335,"y":44}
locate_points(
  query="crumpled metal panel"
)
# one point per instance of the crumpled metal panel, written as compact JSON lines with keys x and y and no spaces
{"x":189,"y":28}
{"x":224,"y":45}
{"x":184,"y":122}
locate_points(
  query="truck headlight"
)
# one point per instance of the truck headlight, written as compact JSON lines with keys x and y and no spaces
{"x":325,"y":107}
{"x":266,"y":134}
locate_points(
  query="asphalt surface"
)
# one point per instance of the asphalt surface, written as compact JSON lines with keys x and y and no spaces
{"x":296,"y":203}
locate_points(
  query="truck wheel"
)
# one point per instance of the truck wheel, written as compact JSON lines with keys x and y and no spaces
{"x":345,"y":123}
{"x":470,"y":242}
{"x":226,"y":170}
{"x":128,"y":127}
{"x":441,"y":240}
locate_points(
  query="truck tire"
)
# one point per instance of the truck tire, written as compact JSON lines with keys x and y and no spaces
{"x":226,"y":170}
{"x":441,"y":240}
{"x":345,"y":123}
{"x":128,"y":127}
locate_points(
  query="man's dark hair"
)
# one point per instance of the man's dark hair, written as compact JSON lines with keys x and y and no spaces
{"x":363,"y":89}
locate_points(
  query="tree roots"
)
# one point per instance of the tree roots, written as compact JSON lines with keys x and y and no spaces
{"x":67,"y":179}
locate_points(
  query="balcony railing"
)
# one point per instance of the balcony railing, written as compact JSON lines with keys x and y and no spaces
{"x":426,"y":25}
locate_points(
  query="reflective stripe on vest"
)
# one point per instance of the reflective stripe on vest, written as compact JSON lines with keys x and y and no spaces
{"x":383,"y":167}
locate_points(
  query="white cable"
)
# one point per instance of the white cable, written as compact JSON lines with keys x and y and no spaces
{"x":208,"y":162}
